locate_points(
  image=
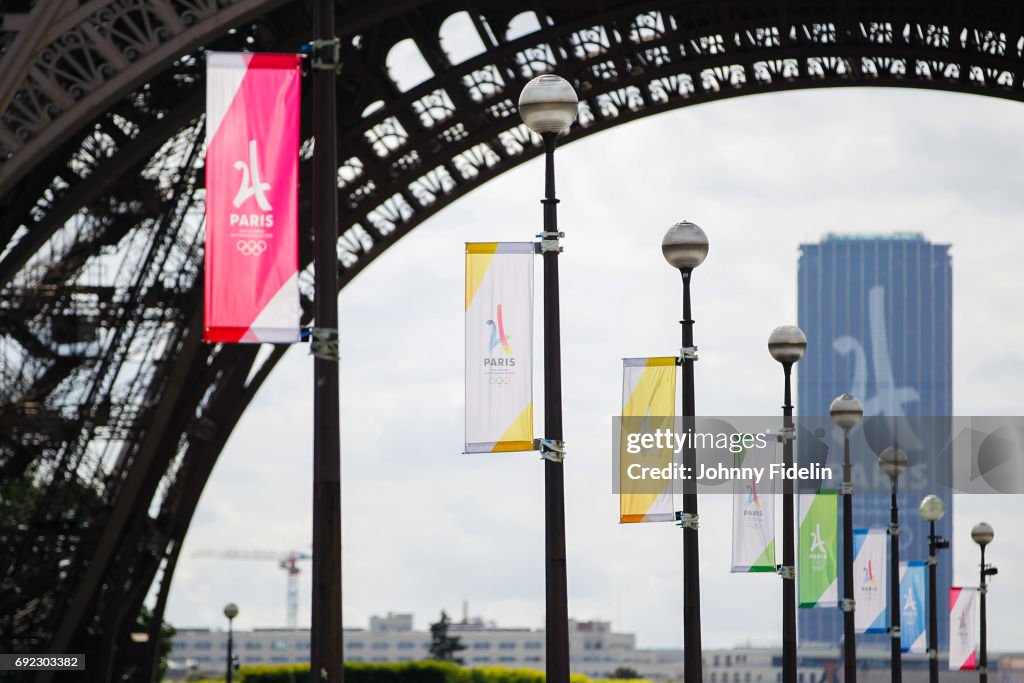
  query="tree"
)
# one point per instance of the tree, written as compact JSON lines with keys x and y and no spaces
{"x":625,"y":672}
{"x":166,"y":635}
{"x":442,"y":646}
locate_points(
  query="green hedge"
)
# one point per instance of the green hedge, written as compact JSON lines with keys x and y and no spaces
{"x":411,"y":672}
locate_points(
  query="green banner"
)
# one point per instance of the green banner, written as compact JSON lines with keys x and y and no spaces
{"x":817,"y":568}
{"x":753,"y":515}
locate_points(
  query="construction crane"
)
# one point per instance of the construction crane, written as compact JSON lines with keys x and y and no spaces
{"x":289,"y":561}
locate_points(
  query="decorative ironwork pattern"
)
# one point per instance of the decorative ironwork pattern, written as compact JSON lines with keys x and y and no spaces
{"x":95,"y":53}
{"x":112,"y":411}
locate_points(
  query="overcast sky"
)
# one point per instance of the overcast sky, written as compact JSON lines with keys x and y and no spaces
{"x":426,"y":527}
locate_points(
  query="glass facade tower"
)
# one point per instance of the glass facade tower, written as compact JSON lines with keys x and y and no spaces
{"x":877,"y":312}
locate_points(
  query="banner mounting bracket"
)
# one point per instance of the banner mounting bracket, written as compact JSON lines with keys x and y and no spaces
{"x":329,"y":47}
{"x":687,"y":353}
{"x":551,"y":449}
{"x":323,"y":343}
{"x":688,"y":520}
{"x":786,"y":434}
{"x":549,"y":241}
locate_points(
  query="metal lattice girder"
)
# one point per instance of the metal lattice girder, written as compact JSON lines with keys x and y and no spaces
{"x":67,"y":62}
{"x":112,"y":412}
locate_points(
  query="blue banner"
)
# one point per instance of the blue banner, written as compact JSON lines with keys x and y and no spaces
{"x":913,"y":607}
{"x":869,"y":580}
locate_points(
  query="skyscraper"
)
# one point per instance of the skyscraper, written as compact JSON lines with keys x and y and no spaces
{"x":877,"y":312}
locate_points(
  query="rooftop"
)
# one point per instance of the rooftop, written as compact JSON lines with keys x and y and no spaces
{"x":873,"y":237}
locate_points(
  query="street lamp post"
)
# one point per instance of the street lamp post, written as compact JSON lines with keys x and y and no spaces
{"x":846,"y":412}
{"x":325,"y":627}
{"x":893,"y":462}
{"x":685,"y":246}
{"x":932,"y":509}
{"x":548,"y":106}
{"x":983,"y":534}
{"x":230,"y":611}
{"x":787,"y":345}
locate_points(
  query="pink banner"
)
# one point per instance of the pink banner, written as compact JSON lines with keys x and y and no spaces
{"x":962,"y":652}
{"x":252,"y":177}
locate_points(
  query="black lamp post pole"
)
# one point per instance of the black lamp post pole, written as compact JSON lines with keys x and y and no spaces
{"x":849,"y":632}
{"x":692,"y":652}
{"x":983,"y":589}
{"x":326,"y":630}
{"x":894,"y":583}
{"x":556,"y":589}
{"x":933,"y":602}
{"x":788,"y":551}
{"x":227,"y":678}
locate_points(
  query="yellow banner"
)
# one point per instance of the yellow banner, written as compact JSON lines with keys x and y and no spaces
{"x":648,"y":403}
{"x":499,"y":347}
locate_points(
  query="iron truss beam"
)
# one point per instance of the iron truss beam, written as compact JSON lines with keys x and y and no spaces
{"x":75,"y":59}
{"x":112,"y":413}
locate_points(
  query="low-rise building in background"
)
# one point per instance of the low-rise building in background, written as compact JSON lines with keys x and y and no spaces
{"x":594,"y":649}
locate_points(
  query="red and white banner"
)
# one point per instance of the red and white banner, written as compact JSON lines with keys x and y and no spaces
{"x":962,"y":653}
{"x":252,"y":177}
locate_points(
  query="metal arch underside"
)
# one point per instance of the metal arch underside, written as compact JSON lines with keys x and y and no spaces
{"x":112,"y":410}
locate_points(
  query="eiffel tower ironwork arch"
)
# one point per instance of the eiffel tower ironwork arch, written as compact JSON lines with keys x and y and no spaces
{"x":112,"y":412}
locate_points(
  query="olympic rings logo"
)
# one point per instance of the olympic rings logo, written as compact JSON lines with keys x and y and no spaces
{"x":251,"y":247}
{"x":500,"y":380}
